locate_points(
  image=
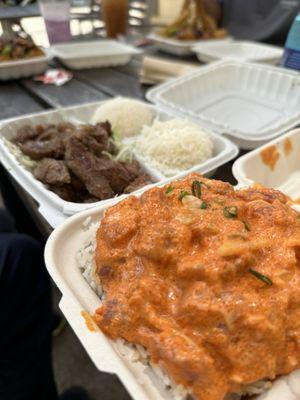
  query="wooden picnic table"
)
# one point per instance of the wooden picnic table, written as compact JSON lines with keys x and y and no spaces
{"x":27,"y":96}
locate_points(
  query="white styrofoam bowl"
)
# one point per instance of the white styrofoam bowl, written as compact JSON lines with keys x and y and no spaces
{"x":93,"y":54}
{"x":224,"y":151}
{"x":178,"y":47}
{"x":250,"y":103}
{"x":285,"y":175}
{"x":77,"y":296}
{"x":238,"y":50}
{"x":23,"y":68}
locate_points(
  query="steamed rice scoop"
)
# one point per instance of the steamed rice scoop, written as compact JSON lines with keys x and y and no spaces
{"x":170,"y":147}
{"x":173,"y":146}
{"x":127,"y":116}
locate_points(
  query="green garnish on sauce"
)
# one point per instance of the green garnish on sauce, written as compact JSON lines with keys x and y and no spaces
{"x":197,"y":189}
{"x":230,"y":212}
{"x":183,"y":193}
{"x":203,"y":206}
{"x":169,"y":190}
{"x":247,"y":226}
{"x":260,"y":276}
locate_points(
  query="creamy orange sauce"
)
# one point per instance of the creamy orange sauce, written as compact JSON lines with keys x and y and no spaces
{"x":287,"y":146}
{"x":270,"y":156}
{"x":90,"y":324}
{"x":210,"y":287}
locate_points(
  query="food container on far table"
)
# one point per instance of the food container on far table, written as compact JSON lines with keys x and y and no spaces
{"x":54,"y":208}
{"x":238,"y":50}
{"x":79,"y":301}
{"x":250,"y":103}
{"x":94,"y":54}
{"x":180,"y":47}
{"x":23,"y":68}
{"x":275,"y":165}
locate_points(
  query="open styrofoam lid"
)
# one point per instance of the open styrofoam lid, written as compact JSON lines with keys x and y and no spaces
{"x":185,"y":43}
{"x":92,"y":48}
{"x":248,"y":101}
{"x":238,"y":50}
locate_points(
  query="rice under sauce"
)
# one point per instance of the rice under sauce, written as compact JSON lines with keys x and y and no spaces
{"x":207,"y":279}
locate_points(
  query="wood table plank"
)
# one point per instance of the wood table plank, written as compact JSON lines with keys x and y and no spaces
{"x":16,"y":12}
{"x":112,"y":82}
{"x":132,"y":68}
{"x":14,"y":101}
{"x":72,"y":93}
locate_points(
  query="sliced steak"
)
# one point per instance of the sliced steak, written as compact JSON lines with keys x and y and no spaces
{"x":24,"y":134}
{"x":138,"y":183}
{"x":52,"y":172}
{"x":116,"y":173}
{"x":66,"y":192}
{"x":106,"y":126}
{"x":76,"y":183}
{"x":95,"y":138}
{"x":133,"y":168}
{"x":94,"y":146}
{"x":85,"y":166}
{"x":37,"y":149}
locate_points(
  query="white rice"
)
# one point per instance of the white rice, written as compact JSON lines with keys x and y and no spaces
{"x":137,"y":353}
{"x":126,"y":116}
{"x":173,"y":146}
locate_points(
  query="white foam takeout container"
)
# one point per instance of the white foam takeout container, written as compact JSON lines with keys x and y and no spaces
{"x":238,"y":50}
{"x":180,"y":47}
{"x":285,"y":175}
{"x":51,"y":205}
{"x":94,"y":54}
{"x":250,"y":103}
{"x":23,"y":68}
{"x":77,"y":296}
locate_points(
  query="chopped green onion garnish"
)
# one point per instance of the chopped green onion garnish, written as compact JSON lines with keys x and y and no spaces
{"x":230,"y":212}
{"x":260,"y":276}
{"x":169,"y":189}
{"x":196,"y":189}
{"x":183,"y":193}
{"x":203,"y":206}
{"x":247,"y":226}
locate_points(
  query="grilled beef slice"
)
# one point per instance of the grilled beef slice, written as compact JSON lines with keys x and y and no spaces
{"x":52,"y":172}
{"x":138,"y":183}
{"x":85,"y":166}
{"x":25,"y":133}
{"x":37,"y":149}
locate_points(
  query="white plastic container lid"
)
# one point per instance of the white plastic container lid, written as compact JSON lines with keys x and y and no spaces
{"x":251,"y":103}
{"x":180,"y":47}
{"x":94,"y":53}
{"x":23,"y":68}
{"x":238,"y":50}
